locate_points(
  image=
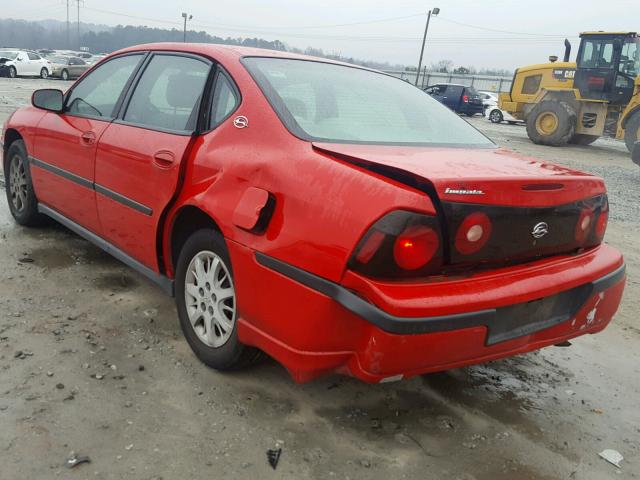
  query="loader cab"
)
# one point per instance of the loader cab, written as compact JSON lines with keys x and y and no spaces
{"x":607,"y":66}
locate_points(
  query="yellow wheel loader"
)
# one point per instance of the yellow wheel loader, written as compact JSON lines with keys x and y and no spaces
{"x":577,"y":102}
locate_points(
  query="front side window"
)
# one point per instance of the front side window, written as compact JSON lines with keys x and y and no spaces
{"x":98,"y":93}
{"x":326,"y":102}
{"x":168,"y":93}
{"x":597,"y":53}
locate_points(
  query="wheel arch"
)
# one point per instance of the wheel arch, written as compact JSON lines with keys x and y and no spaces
{"x":185,"y":221}
{"x":10,"y":136}
{"x":568,"y":96}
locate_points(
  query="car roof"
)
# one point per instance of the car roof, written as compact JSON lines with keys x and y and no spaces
{"x":229,"y":52}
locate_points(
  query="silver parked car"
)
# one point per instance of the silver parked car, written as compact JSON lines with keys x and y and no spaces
{"x":67,"y":67}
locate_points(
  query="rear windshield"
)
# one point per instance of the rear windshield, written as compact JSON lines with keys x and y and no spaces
{"x":62,"y":60}
{"x":333,"y":103}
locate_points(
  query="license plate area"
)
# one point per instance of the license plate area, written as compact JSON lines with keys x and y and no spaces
{"x":529,"y":317}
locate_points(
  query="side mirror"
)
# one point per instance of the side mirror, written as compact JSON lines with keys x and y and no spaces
{"x":48,"y":99}
{"x":635,"y":155}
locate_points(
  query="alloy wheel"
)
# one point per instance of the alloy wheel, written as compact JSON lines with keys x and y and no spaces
{"x":210,"y":299}
{"x":495,"y":116}
{"x":18,"y":183}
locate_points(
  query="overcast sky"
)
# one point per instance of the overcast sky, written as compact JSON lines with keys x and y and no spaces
{"x":464,"y":32}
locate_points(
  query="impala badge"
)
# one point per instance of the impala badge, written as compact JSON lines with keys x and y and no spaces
{"x":241,"y":122}
{"x":540,"y":230}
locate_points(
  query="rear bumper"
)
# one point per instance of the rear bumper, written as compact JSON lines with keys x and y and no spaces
{"x":313,"y":326}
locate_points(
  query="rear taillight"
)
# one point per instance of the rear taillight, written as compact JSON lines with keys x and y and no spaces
{"x":592,"y":223}
{"x":584,"y":225}
{"x":473,"y":233}
{"x":465,"y":98}
{"x":401,"y":244}
{"x":415,"y":247}
{"x":601,"y":224}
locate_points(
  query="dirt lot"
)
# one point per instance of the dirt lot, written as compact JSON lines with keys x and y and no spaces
{"x":92,"y":360}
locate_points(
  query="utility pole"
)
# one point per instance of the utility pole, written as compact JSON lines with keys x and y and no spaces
{"x":184,"y":33}
{"x":78,"y":1}
{"x":68,"y":45}
{"x":435,"y":12}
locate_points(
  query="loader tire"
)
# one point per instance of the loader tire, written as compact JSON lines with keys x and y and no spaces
{"x":632,"y":131}
{"x":583,"y":139}
{"x":551,"y":123}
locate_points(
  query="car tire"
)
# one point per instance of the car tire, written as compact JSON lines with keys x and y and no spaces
{"x":551,"y":123}
{"x":632,"y":131}
{"x":44,"y":73}
{"x":64,"y":75}
{"x":21,"y":198}
{"x":208,"y":321}
{"x":583,"y":139}
{"x":13,"y":72}
{"x":495,"y":116}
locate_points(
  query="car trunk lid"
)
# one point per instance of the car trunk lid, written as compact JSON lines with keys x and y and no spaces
{"x":534,"y":207}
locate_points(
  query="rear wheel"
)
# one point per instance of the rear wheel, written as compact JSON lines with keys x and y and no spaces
{"x":583,"y":139}
{"x":206,"y":301}
{"x":12,"y":72}
{"x":64,"y":75}
{"x":551,"y":123}
{"x":632,"y":131}
{"x":44,"y":73}
{"x":496,"y":116}
{"x":23,"y":204}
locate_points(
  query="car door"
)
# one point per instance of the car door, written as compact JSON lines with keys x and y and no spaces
{"x":139,"y":155}
{"x":436,"y":92}
{"x":35,"y":63}
{"x":452,"y":95}
{"x":77,"y":67}
{"x":65,"y":143}
{"x":23,"y":66}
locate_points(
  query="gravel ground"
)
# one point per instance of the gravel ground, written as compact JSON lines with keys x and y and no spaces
{"x":92,"y":361}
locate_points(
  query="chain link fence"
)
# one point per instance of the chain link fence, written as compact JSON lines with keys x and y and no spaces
{"x":479,"y":82}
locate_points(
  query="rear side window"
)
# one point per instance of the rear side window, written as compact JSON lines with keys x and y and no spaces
{"x":531,"y":84}
{"x":97,"y":94}
{"x":168,"y":93}
{"x":225,"y":100}
{"x":33,"y":56}
{"x":454,"y":91}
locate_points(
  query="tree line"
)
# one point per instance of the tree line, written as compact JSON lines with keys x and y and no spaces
{"x":52,"y":34}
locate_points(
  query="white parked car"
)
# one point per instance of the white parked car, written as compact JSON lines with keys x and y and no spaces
{"x":489,"y":99}
{"x":495,"y":115}
{"x":23,"y":63}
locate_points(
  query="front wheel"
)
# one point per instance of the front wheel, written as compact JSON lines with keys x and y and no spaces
{"x":207,"y":303}
{"x":551,"y":122}
{"x":496,"y":116}
{"x":44,"y":73}
{"x":64,"y":75}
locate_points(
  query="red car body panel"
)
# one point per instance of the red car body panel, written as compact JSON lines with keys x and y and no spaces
{"x":326,"y":197}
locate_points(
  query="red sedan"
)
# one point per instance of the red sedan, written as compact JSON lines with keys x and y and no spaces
{"x":334,"y":217}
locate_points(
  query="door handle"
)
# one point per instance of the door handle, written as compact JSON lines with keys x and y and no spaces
{"x":88,"y":138}
{"x":163,"y":159}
